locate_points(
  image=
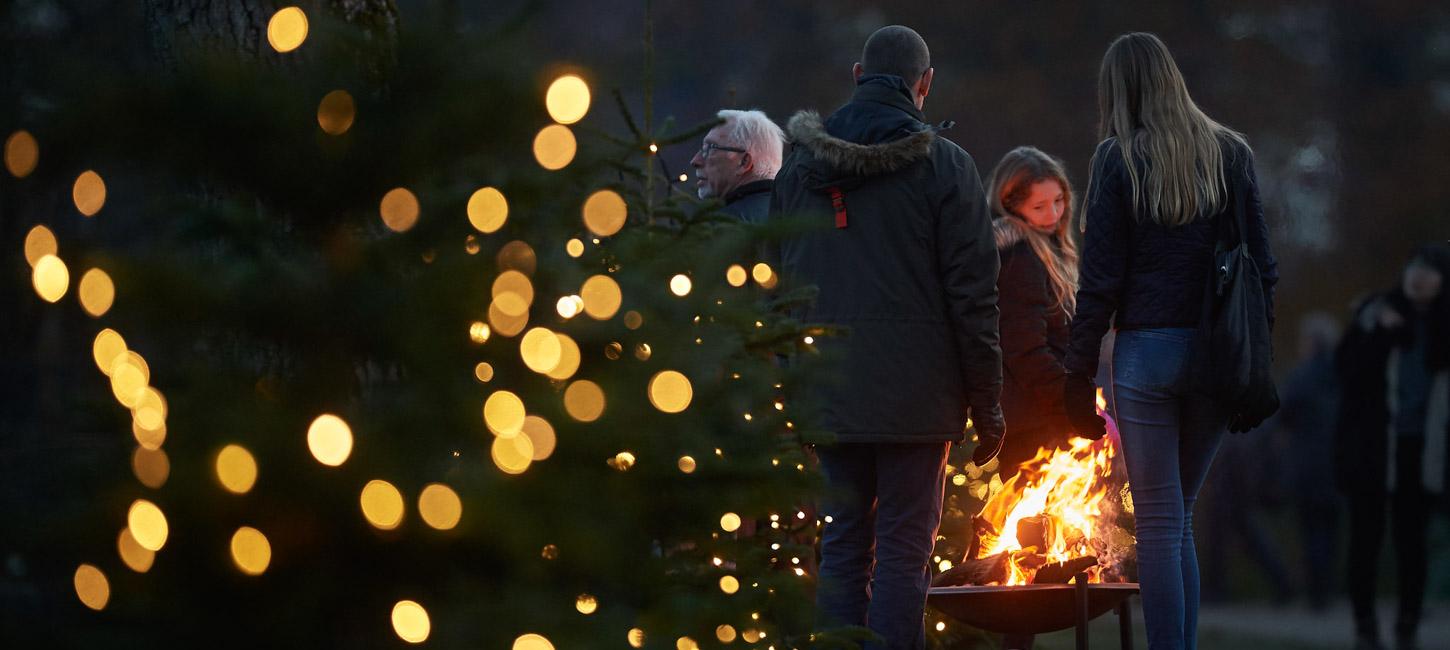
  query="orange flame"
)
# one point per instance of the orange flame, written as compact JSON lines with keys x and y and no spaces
{"x":1069,"y":487}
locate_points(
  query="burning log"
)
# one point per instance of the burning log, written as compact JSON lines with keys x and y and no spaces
{"x":1061,"y":572}
{"x":975,"y":571}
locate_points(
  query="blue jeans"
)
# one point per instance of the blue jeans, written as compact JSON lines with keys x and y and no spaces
{"x":1170,"y":434}
{"x":884,"y":503}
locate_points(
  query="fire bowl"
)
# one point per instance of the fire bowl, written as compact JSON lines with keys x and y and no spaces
{"x":1026,"y":609}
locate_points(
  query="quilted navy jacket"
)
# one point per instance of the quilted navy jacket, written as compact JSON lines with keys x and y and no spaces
{"x":1139,"y":274}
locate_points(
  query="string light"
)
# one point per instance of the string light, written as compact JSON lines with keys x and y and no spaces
{"x":410,"y":621}
{"x":92,"y":588}
{"x":488,"y":210}
{"x":251,"y":551}
{"x":89,"y":193}
{"x":329,"y":439}
{"x":336,"y":112}
{"x":287,"y":29}
{"x":567,"y":99}
{"x":39,"y":242}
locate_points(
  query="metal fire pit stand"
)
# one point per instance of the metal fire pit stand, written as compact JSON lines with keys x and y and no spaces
{"x":1037,"y":609}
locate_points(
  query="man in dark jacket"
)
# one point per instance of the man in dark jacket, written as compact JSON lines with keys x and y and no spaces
{"x":737,"y":163}
{"x":905,"y":260}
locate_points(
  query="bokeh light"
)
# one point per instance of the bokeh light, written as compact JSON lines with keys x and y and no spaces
{"x":686,"y":464}
{"x":532,"y":642}
{"x":513,"y":454}
{"x":329,"y":439}
{"x":725,"y":633}
{"x":440,"y":506}
{"x":129,"y":378}
{"x":635,"y":637}
{"x":50,"y":277}
{"x":96,"y":292}
{"x":540,"y":349}
{"x":147,"y":524}
{"x":22,"y":153}
{"x":736,"y":275}
{"x":729,"y":584}
{"x":89,"y":193}
{"x":554,"y":147}
{"x":680,"y":285}
{"x":39,"y":242}
{"x":686,"y":643}
{"x":236,"y":469}
{"x":518,"y":256}
{"x":399,"y":209}
{"x":410,"y":621}
{"x":251,"y":551}
{"x":584,"y":400}
{"x":541,"y":436}
{"x":478,"y":332}
{"x":751,"y":635}
{"x":730,"y":522}
{"x":107,"y":346}
{"x":633,"y":320}
{"x":287,"y":29}
{"x":503,"y":412}
{"x":151,"y":466}
{"x":483,"y":372}
{"x":763,"y":275}
{"x":148,"y":438}
{"x":569,"y":358}
{"x":382,"y":504}
{"x":132,"y":555}
{"x":336,"y":112}
{"x":670,"y":391}
{"x":586,"y":604}
{"x":602,"y":297}
{"x":149,"y":412}
{"x":567,"y":99}
{"x":488,"y":210}
{"x":505,"y":324}
{"x":92,"y":587}
{"x":574,"y":247}
{"x":513,"y":293}
{"x":605,"y":212}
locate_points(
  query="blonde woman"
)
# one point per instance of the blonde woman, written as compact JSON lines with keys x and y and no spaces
{"x":1032,"y":208}
{"x":1167,"y":184}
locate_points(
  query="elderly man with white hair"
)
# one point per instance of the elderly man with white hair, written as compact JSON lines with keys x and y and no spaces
{"x":737,"y":163}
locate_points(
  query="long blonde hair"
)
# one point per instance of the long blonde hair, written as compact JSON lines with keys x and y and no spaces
{"x":1144,"y":103}
{"x":1009,"y":186}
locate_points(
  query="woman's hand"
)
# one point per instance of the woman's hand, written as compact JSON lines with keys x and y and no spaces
{"x":1080,"y":403}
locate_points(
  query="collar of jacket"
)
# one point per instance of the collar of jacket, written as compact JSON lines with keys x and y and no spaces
{"x":753,"y":187}
{"x":806,"y":130}
{"x":887,"y":90}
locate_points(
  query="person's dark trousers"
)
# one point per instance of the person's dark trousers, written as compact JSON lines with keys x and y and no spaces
{"x":883,"y":505}
{"x":1319,"y":532}
{"x":1170,"y":435}
{"x":1409,"y":509}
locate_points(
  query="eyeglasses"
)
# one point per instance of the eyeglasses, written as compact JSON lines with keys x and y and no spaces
{"x":711,"y":146}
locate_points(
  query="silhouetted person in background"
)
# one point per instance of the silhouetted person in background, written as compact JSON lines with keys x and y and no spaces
{"x":1309,"y":405}
{"x":1391,"y":442}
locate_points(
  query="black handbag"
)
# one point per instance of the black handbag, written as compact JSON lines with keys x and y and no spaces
{"x":1240,"y":348}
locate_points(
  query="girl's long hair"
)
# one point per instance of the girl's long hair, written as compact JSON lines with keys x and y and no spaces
{"x":1144,"y":103}
{"x":1009,"y":186}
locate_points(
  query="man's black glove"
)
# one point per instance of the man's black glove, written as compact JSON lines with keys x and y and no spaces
{"x":1080,"y":403}
{"x":991,"y":430}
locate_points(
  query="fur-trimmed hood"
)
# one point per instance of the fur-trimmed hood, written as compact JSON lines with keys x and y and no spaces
{"x":1010,"y":231}
{"x":849,"y":158}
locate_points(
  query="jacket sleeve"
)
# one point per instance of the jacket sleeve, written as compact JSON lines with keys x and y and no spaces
{"x":1258,"y":236}
{"x":1026,"y":305}
{"x":1104,"y":260}
{"x":967,"y":261}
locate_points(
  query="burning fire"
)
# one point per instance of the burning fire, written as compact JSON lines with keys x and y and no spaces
{"x":1055,"y":510}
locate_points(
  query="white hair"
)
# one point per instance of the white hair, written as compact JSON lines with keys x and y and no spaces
{"x":754,"y":132}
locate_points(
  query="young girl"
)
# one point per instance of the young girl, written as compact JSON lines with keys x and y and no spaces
{"x":1166,"y":183}
{"x":1031,"y":202}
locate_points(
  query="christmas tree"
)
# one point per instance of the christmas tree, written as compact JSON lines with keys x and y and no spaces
{"x":373,"y":339}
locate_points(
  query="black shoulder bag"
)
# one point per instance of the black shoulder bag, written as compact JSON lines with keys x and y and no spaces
{"x":1240,"y":350}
